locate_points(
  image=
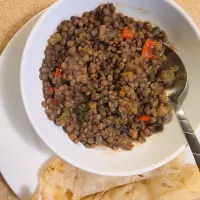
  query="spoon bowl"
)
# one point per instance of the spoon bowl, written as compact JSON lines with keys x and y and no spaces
{"x":179,"y":86}
{"x":174,"y":93}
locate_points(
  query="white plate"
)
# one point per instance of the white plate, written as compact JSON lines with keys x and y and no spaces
{"x":22,"y":153}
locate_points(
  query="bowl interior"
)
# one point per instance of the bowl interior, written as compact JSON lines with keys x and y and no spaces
{"x":158,"y":149}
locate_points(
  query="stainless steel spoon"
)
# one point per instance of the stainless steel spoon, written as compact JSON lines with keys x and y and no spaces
{"x":175,"y":93}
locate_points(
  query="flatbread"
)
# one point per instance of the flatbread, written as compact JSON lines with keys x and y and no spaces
{"x":179,"y":186}
{"x":87,"y":183}
{"x":57,"y":181}
{"x":62,"y":181}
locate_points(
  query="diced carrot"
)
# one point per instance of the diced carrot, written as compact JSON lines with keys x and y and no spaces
{"x":51,"y":90}
{"x":134,"y":133}
{"x":147,"y":51}
{"x":144,"y":118}
{"x":122,"y":93}
{"x":57,"y":73}
{"x":93,"y":105}
{"x":126,"y":73}
{"x":126,"y":33}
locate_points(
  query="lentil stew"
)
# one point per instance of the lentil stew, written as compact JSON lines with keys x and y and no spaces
{"x":103,"y":79}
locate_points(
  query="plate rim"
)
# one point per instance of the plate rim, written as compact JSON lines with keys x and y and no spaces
{"x":1,"y":56}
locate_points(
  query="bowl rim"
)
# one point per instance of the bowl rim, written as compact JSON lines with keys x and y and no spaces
{"x":72,"y":162}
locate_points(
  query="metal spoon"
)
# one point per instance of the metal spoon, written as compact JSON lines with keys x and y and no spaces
{"x":175,"y":92}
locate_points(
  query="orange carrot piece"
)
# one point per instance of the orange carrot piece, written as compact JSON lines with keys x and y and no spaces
{"x":147,"y":51}
{"x":144,"y":118}
{"x":121,"y":93}
{"x":57,"y":73}
{"x":126,"y":33}
{"x":93,"y":105}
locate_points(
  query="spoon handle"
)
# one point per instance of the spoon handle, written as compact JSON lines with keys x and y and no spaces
{"x":189,"y":133}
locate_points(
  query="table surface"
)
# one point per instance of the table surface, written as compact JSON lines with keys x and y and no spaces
{"x":11,"y":19}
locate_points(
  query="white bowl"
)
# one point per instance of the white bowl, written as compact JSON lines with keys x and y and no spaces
{"x":160,"y":148}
